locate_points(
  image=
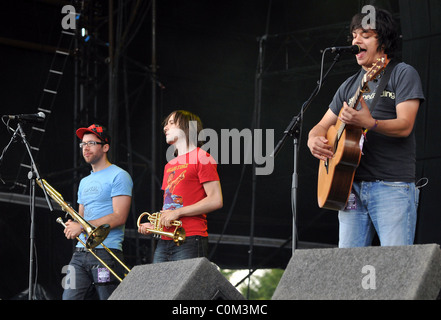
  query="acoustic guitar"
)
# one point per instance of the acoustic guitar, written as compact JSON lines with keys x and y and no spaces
{"x":336,"y":175}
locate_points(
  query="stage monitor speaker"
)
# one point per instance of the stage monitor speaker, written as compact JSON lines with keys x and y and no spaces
{"x":191,"y":279}
{"x":369,"y":273}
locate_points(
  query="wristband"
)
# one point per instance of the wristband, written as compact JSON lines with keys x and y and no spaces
{"x":375,"y":125}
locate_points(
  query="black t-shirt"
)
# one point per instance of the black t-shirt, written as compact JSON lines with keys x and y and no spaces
{"x":385,"y":158}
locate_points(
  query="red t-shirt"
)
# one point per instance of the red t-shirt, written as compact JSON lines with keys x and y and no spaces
{"x":183,"y":186}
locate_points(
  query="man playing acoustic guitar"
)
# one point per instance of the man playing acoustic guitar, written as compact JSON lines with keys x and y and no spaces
{"x":383,"y":197}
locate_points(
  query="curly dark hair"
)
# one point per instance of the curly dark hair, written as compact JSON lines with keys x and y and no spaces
{"x":385,"y":27}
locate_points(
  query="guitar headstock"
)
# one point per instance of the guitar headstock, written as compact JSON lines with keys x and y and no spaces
{"x":376,"y":69}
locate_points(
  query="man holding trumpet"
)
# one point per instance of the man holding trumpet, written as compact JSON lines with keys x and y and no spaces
{"x":191,"y":190}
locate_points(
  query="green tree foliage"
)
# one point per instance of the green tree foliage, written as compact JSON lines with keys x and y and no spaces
{"x":262,"y":287}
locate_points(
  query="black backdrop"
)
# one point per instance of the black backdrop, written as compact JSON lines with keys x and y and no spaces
{"x":207,"y":57}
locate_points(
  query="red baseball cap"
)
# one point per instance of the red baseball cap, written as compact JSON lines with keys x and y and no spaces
{"x":95,"y":129}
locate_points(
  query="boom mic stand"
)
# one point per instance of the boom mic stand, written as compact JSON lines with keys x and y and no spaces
{"x":32,"y":175}
{"x":294,"y":130}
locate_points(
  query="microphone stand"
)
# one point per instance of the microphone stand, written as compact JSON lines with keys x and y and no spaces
{"x":294,"y":130}
{"x":32,"y":175}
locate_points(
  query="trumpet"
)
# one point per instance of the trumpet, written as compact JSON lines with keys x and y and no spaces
{"x":178,"y":235}
{"x":95,"y":235}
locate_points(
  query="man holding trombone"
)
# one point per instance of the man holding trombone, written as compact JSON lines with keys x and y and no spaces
{"x":104,"y":198}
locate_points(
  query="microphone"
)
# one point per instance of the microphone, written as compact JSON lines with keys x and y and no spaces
{"x":32,"y":117}
{"x":355,"y":49}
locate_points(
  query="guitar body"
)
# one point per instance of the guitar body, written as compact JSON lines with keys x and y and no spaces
{"x":336,"y":175}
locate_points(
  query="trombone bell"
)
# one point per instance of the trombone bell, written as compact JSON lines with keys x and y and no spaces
{"x":97,"y":236}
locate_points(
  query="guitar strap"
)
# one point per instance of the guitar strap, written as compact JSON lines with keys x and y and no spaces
{"x":378,"y":91}
{"x":383,"y":82}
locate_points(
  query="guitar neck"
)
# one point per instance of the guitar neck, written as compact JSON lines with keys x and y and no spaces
{"x":354,"y":102}
{"x":371,"y":74}
{"x":357,"y":96}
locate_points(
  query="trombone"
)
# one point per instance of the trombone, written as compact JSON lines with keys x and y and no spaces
{"x":178,"y":235}
{"x":95,"y":235}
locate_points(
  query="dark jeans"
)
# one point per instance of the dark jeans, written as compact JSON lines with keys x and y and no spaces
{"x":193,"y":247}
{"x":87,"y":279}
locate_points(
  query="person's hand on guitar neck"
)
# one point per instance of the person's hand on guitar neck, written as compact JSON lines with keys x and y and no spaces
{"x":318,"y":144}
{"x":359,"y":118}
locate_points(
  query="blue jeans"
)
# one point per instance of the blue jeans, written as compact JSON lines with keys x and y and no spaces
{"x":388,"y":208}
{"x":193,"y":247}
{"x":86,"y":278}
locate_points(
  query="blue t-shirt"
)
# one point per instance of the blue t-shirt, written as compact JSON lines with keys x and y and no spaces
{"x":95,"y":194}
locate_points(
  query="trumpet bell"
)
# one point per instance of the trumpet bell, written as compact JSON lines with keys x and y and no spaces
{"x":98,"y":235}
{"x":179,"y":236}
